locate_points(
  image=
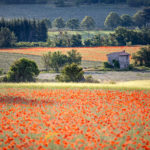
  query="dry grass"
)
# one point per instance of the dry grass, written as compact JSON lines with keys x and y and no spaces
{"x":129,"y":85}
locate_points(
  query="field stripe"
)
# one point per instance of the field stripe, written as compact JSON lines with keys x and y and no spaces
{"x":88,"y":53}
{"x":129,"y":85}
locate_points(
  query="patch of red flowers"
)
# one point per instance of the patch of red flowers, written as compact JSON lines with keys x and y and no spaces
{"x":88,"y":53}
{"x":74,"y":119}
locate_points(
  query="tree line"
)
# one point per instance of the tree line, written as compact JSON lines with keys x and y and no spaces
{"x":121,"y":37}
{"x":140,"y":19}
{"x":28,"y":30}
{"x":86,"y":23}
{"x":31,"y":30}
{"x":62,"y":3}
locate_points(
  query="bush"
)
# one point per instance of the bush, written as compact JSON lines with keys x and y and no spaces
{"x":57,"y":60}
{"x":71,"y":73}
{"x":1,"y":71}
{"x":22,"y":70}
{"x":31,"y":44}
{"x":142,"y":57}
{"x":54,"y":60}
{"x":116,"y":64}
{"x":74,"y":57}
{"x":90,"y":79}
{"x":107,"y":65}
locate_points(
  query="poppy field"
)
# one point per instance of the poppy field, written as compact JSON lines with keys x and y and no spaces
{"x":87,"y":119}
{"x":87,"y":53}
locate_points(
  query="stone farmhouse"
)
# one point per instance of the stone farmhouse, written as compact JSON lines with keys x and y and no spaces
{"x":122,"y":57}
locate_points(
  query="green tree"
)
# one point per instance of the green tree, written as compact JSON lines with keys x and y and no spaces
{"x":59,"y":23}
{"x":57,"y":60}
{"x":88,"y":23}
{"x":74,"y":57}
{"x":7,"y":38}
{"x":142,"y":17}
{"x":62,"y":39}
{"x":76,"y":40}
{"x":26,"y":30}
{"x":47,"y":23}
{"x":139,"y":19}
{"x":46,"y":58}
{"x":126,"y":20}
{"x":71,"y":73}
{"x":23,"y":70}
{"x":142,"y":57}
{"x":97,"y":40}
{"x":87,"y":42}
{"x":113,"y":20}
{"x":73,"y":23}
{"x":1,"y":71}
{"x":124,"y":36}
{"x":146,"y":14}
{"x":42,"y":31}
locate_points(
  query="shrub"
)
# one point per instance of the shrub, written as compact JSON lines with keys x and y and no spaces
{"x":142,"y":57}
{"x":90,"y":79}
{"x":1,"y":71}
{"x":74,"y":57}
{"x":116,"y":64}
{"x":107,"y":65}
{"x":46,"y":58}
{"x":22,"y":70}
{"x":71,"y":73}
{"x":31,"y":44}
{"x":57,"y":60}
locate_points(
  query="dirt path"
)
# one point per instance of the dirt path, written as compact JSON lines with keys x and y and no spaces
{"x":106,"y":76}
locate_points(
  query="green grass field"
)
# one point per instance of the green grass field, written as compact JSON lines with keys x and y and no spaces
{"x":84,"y":34}
{"x":7,"y":59}
{"x":129,"y":85}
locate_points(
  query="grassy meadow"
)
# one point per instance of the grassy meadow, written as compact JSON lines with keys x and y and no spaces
{"x":129,"y":85}
{"x":85,"y":34}
{"x":6,"y":59}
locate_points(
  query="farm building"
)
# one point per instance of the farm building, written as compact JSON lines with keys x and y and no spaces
{"x":122,"y":57}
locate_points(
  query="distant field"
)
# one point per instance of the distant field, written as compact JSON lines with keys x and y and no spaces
{"x":6,"y":59}
{"x":84,"y":34}
{"x":88,"y":53}
{"x":92,"y":56}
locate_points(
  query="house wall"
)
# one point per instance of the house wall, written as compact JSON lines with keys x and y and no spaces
{"x":112,"y":57}
{"x":123,"y":60}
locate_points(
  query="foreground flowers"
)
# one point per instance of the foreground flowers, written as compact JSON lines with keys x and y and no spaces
{"x":74,"y":119}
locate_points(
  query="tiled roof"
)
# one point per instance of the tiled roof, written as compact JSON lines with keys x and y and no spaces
{"x":123,"y":53}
